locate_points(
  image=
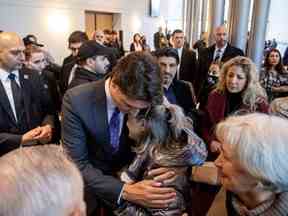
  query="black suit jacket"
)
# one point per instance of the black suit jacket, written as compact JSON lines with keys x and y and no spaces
{"x":85,"y":135}
{"x":188,"y":66}
{"x":206,"y":58}
{"x":65,"y":72}
{"x":37,"y":108}
{"x":185,"y":95}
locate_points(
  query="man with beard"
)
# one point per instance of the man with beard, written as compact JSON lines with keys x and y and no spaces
{"x":92,"y":63}
{"x":176,"y":91}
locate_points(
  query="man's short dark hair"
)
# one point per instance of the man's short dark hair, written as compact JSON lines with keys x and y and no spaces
{"x":167,"y":52}
{"x":138,"y":77}
{"x":177,"y":31}
{"x":78,"y":37}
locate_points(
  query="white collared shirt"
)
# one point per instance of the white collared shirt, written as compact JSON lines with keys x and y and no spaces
{"x":180,"y":51}
{"x":222,"y":50}
{"x":72,"y":73}
{"x":111,"y":106}
{"x":6,"y":82}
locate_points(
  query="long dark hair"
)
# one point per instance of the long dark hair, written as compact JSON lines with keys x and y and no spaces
{"x":164,"y":127}
{"x":279,"y":67}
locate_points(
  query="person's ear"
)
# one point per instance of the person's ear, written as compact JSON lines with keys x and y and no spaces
{"x":89,"y":61}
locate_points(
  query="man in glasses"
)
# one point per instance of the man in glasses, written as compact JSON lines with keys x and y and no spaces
{"x":26,"y":116}
{"x":92,"y":63}
{"x":95,"y":134}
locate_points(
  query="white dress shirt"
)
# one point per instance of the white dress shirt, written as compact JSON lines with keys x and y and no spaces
{"x":72,"y":73}
{"x":180,"y":51}
{"x":6,"y":82}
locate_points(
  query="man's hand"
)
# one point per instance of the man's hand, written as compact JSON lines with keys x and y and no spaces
{"x":149,"y":193}
{"x":30,"y":135}
{"x":45,"y":133}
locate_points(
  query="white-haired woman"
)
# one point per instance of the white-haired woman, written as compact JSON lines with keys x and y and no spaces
{"x":253,"y":164}
{"x":238,"y":91}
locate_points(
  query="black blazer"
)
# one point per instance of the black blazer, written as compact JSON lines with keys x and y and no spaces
{"x":65,"y":72}
{"x":188,"y":66}
{"x":85,"y":135}
{"x":37,"y":108}
{"x":185,"y":95}
{"x":206,"y":58}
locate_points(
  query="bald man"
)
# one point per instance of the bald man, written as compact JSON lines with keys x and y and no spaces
{"x":220,"y":52}
{"x":26,"y":117}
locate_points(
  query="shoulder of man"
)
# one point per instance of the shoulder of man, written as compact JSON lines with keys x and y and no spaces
{"x":234,"y":50}
{"x":86,"y":90}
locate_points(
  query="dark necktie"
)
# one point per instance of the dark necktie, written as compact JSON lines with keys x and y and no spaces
{"x":16,"y":91}
{"x":218,"y":55}
{"x":114,"y":129}
{"x":19,"y":103}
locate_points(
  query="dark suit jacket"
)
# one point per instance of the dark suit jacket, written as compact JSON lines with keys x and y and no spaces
{"x":188,"y":66}
{"x":65,"y":72}
{"x":50,"y":83}
{"x":206,"y":58}
{"x":37,"y":108}
{"x":185,"y":96}
{"x":85,"y":135}
{"x":83,"y":76}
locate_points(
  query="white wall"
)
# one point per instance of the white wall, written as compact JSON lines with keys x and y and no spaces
{"x":53,"y":20}
{"x":277,"y":23}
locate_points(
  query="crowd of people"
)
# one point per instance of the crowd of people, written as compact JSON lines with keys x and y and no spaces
{"x":128,"y":128}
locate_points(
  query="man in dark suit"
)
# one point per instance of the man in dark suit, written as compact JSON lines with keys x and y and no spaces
{"x":36,"y":62}
{"x":95,"y":135}
{"x":75,"y":40}
{"x":187,"y":67}
{"x":25,"y":113}
{"x":218,"y":53}
{"x":176,"y":91}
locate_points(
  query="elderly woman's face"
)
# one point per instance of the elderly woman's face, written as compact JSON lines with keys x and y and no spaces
{"x":232,"y":176}
{"x":235,"y":79}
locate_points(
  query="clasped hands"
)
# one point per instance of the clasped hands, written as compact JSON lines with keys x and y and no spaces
{"x":40,"y":133}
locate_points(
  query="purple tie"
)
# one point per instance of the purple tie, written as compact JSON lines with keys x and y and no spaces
{"x":114,"y":129}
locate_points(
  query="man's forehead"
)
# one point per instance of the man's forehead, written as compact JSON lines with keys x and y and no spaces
{"x":75,"y":45}
{"x":220,"y":30}
{"x":167,"y":60}
{"x":37,"y":55}
{"x":180,"y":34}
{"x":11,"y":41}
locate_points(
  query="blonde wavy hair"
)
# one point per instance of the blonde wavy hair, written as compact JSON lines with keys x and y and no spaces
{"x":253,"y":92}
